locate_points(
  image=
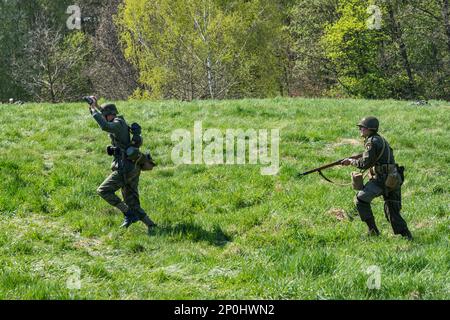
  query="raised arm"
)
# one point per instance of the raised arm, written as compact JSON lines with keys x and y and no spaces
{"x":111,"y":127}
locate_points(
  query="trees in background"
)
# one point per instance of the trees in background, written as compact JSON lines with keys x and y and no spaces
{"x":313,"y":73}
{"x":217,"y":49}
{"x":41,"y":61}
{"x":52,"y":66}
{"x":403,"y":55}
{"x":15,"y":22}
{"x":202,"y":49}
{"x":355,"y":50}
{"x":111,"y":75}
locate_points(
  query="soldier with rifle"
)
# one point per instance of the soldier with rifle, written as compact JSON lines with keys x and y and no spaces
{"x":386,"y":178}
{"x":378,"y":158}
{"x":125,"y":174}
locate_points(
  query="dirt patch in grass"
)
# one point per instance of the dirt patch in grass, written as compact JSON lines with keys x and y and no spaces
{"x":92,"y":246}
{"x":339,"y":214}
{"x":424,"y":225}
{"x":341,"y":142}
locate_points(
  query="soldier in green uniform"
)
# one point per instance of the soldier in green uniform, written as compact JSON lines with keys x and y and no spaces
{"x":379,"y":159}
{"x":125,"y":174}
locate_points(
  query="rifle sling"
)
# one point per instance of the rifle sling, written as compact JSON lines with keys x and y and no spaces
{"x":323,"y":176}
{"x":330,"y":181}
{"x":382,"y":152}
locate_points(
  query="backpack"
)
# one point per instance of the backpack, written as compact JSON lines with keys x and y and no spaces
{"x":144,"y":161}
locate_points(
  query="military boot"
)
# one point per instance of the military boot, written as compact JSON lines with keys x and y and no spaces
{"x":407,"y":234}
{"x":373,"y":233}
{"x":130,"y":218}
{"x":148,"y":222}
{"x":373,"y":230}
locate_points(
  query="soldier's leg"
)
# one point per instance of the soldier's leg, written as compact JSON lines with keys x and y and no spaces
{"x":392,"y":208}
{"x":107,"y":190}
{"x":363,"y":199}
{"x":130,"y":190}
{"x":131,"y":196}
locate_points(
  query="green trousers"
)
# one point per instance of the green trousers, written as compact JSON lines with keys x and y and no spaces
{"x":392,"y":204}
{"x":129,"y":186}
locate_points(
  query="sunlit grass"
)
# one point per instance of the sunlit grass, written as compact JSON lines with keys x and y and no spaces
{"x":224,"y":231}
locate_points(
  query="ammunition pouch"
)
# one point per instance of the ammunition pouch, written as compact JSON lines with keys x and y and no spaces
{"x":357,"y":181}
{"x":394,"y":178}
{"x":113,"y":151}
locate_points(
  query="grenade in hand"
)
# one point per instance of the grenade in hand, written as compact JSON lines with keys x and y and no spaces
{"x":89,"y":100}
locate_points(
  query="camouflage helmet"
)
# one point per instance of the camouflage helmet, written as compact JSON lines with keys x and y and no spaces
{"x":370,"y":123}
{"x":109,"y":109}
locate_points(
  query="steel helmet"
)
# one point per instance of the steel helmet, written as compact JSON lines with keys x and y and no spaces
{"x":109,"y":109}
{"x":370,"y":123}
{"x":133,"y":153}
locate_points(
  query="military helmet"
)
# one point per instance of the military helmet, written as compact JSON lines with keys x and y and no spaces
{"x":370,"y":123}
{"x":108,"y":109}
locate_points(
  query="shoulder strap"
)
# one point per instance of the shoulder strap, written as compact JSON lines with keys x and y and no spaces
{"x":389,"y":154}
{"x":379,"y":156}
{"x":382,"y":150}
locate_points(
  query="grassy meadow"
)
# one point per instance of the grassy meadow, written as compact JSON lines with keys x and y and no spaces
{"x":225,"y":232}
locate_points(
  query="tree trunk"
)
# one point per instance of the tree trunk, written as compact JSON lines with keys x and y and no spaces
{"x":210,"y":77}
{"x":287,"y":69}
{"x":397,"y":36}
{"x":50,"y":80}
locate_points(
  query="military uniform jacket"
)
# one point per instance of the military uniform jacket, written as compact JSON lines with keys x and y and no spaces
{"x":373,"y":148}
{"x":120,"y":138}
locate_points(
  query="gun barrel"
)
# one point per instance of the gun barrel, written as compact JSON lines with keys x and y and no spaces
{"x":333,"y":164}
{"x":322,"y":167}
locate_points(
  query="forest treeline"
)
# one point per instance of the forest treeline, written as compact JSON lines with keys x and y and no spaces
{"x":224,"y":49}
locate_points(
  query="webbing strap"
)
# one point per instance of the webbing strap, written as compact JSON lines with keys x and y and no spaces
{"x":335,"y":183}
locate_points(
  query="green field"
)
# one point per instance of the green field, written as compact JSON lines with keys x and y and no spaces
{"x":225,"y":232}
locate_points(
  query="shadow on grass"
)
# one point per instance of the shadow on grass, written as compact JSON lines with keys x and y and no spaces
{"x":194,"y":232}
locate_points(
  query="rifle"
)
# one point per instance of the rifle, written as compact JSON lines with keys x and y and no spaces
{"x":319,"y":169}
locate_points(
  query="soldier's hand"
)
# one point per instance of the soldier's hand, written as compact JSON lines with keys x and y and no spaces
{"x":95,"y":105}
{"x":346,"y":162}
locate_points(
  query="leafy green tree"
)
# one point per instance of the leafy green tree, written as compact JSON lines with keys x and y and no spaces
{"x":405,"y":56}
{"x":202,"y":48}
{"x":354,"y":50}
{"x":427,"y":34}
{"x":215,"y":49}
{"x":313,"y":74}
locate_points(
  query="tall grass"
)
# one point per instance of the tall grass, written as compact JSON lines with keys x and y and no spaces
{"x":224,"y":231}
